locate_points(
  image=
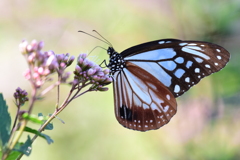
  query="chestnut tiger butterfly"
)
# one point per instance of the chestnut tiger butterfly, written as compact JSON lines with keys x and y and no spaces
{"x":148,"y":77}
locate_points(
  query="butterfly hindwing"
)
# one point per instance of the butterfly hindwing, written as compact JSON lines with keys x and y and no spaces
{"x":141,"y":101}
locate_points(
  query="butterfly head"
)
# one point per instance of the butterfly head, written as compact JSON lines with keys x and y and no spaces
{"x":110,"y":51}
{"x":116,"y":61}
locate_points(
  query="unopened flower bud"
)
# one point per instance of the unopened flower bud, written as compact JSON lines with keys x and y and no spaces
{"x":85,"y":62}
{"x":40,"y":70}
{"x":60,"y":57}
{"x":75,"y":82}
{"x":29,"y":48}
{"x":62,"y":65}
{"x":51,"y":60}
{"x":100,"y":74}
{"x":23,"y":47}
{"x":102,"y":89}
{"x":90,"y":72}
{"x":34,"y":45}
{"x":80,"y":61}
{"x":65,"y":59}
{"x":40,"y":45}
{"x":78,"y":69}
{"x":108,"y":80}
{"x":106,"y":71}
{"x":96,"y":78}
{"x":71,"y":59}
{"x":83,"y":55}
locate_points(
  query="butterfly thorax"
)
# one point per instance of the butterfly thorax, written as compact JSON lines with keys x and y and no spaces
{"x":116,"y":61}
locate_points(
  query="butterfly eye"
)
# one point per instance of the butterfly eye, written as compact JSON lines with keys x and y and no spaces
{"x":110,"y":51}
{"x":148,"y":77}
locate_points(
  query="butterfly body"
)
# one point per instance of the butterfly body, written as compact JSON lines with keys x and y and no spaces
{"x":148,"y":77}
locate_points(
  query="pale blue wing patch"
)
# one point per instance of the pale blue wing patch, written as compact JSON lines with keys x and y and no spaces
{"x":157,"y":54}
{"x":157,"y":71}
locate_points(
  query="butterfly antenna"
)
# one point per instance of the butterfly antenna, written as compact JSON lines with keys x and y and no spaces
{"x":103,"y":37}
{"x":95,"y":48}
{"x":107,"y":42}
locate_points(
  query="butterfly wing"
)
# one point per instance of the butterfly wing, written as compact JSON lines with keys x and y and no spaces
{"x":178,"y":64}
{"x":142,"y":102}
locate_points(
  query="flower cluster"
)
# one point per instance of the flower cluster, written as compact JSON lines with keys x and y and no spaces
{"x":42,"y":64}
{"x":20,"y":96}
{"x":89,"y":73}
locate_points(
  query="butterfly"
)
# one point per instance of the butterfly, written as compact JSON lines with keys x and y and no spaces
{"x":147,"y":78}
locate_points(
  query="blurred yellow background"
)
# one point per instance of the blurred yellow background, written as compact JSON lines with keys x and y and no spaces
{"x":207,"y":124}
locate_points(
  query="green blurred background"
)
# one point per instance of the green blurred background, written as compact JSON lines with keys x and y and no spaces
{"x":207,"y":124}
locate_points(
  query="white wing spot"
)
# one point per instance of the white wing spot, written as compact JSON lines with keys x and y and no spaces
{"x":159,"y":122}
{"x":194,"y":47}
{"x":139,"y":121}
{"x":218,"y":50}
{"x":146,"y":126}
{"x":169,"y":42}
{"x":139,"y":126}
{"x":151,"y":121}
{"x":187,"y":79}
{"x":192,"y":44}
{"x":199,"y":76}
{"x":207,"y":65}
{"x":199,"y":60}
{"x":176,"y":88}
{"x":197,"y":70}
{"x":219,"y":57}
{"x":202,"y":45}
{"x":161,"y":42}
{"x":194,"y":52}
{"x":146,"y":121}
{"x":216,"y":64}
{"x":168,"y":96}
{"x":135,"y":121}
{"x":182,"y":44}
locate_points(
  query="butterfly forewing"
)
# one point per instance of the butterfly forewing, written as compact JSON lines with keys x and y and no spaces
{"x":178,"y":64}
{"x":141,"y":101}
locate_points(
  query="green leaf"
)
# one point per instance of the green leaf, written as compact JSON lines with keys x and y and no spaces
{"x":50,"y":125}
{"x":5,"y":122}
{"x":40,"y":115}
{"x":25,"y":148}
{"x":30,"y":130}
{"x":48,"y":138}
{"x":13,"y":155}
{"x":33,"y":118}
